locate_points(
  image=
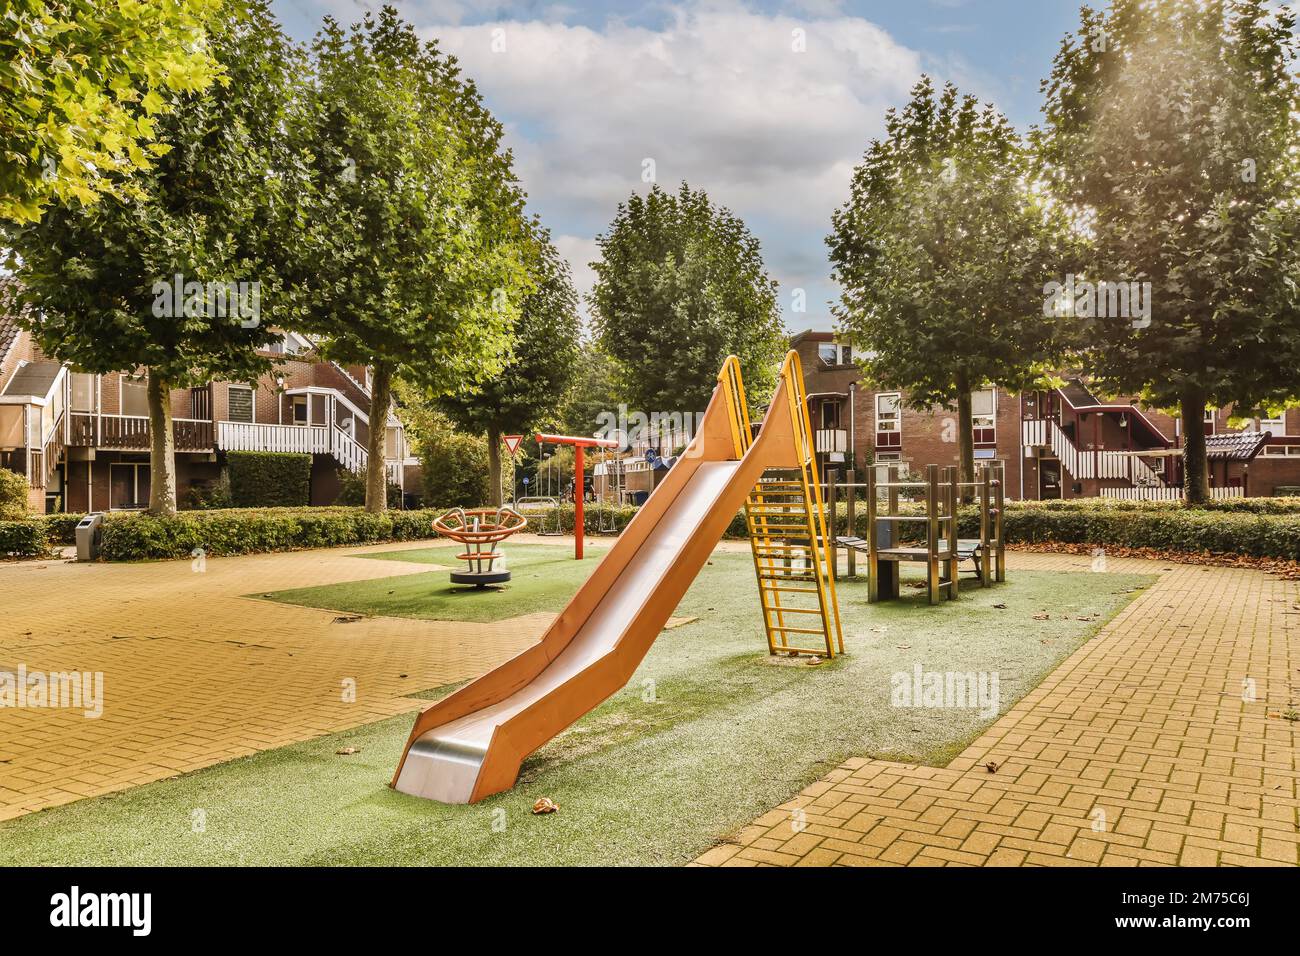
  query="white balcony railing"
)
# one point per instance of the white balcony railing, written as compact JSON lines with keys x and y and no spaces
{"x":1167,"y":494}
{"x":1090,"y":463}
{"x":832,"y":440}
{"x":250,"y":436}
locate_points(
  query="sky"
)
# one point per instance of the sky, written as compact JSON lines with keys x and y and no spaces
{"x":718,"y":93}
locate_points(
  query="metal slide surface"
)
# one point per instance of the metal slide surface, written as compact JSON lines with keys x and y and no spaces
{"x":444,"y":764}
{"x":471,"y":743}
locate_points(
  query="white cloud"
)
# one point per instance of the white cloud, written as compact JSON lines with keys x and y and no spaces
{"x":716,"y":96}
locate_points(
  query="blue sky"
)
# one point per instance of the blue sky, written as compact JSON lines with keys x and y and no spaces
{"x":718,"y":94}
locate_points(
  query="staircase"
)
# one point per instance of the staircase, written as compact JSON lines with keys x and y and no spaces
{"x":1080,"y":464}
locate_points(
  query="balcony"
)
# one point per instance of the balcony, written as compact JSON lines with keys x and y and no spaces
{"x":831,"y":440}
{"x":131,"y":432}
{"x":250,"y":436}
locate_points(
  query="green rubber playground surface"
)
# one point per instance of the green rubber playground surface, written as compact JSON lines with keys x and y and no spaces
{"x":708,"y":734}
{"x":543,"y":577}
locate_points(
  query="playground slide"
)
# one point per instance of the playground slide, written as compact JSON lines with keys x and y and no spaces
{"x":470,"y":744}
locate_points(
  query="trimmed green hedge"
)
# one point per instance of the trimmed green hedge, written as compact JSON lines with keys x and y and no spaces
{"x":131,"y":536}
{"x":23,"y":539}
{"x":269,"y":479}
{"x":61,"y":528}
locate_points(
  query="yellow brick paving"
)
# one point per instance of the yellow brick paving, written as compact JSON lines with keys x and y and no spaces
{"x":1138,"y":750}
{"x":195,"y":673}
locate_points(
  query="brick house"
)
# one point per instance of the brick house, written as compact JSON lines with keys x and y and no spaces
{"x":1058,"y":443}
{"x":82,"y":440}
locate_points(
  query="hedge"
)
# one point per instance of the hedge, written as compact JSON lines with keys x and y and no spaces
{"x":269,"y":479}
{"x":23,"y":539}
{"x":60,"y":528}
{"x":134,"y":536}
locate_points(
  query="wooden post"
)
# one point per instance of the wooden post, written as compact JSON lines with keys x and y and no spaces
{"x":986,"y":552}
{"x":951,"y":476}
{"x":873,"y":560}
{"x":851,"y":491}
{"x":999,"y":499}
{"x":832,"y":552}
{"x":932,"y":532}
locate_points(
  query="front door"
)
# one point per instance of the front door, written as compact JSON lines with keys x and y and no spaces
{"x":1049,"y":479}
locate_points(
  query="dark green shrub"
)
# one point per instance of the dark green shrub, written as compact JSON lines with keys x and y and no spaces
{"x":352,"y":490}
{"x":13,"y":495}
{"x":134,"y":536}
{"x":207,"y":496}
{"x":23,"y":539}
{"x":61,"y":528}
{"x":269,"y":479}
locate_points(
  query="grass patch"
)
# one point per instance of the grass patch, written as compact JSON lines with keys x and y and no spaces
{"x":542,"y":579}
{"x":707,"y":735}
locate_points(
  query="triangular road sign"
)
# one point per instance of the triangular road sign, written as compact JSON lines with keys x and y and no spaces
{"x":512,"y":442}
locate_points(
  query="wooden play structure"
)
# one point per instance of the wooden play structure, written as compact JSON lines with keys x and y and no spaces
{"x":943,"y":551}
{"x":480,"y":530}
{"x":470,"y":744}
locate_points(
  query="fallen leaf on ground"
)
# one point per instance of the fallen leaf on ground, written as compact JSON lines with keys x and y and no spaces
{"x":991,"y":766}
{"x":1000,"y":607}
{"x":545,"y":805}
{"x":346,"y":751}
{"x":1042,"y":617}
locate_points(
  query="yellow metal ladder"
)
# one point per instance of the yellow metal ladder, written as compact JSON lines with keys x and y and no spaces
{"x":788,"y":534}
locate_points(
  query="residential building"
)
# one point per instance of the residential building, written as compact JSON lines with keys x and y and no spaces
{"x":82,"y":440}
{"x":1057,"y":443}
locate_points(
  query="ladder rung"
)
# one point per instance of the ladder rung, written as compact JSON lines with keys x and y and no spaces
{"x":794,"y":630}
{"x":777,"y":587}
{"x":795,"y":610}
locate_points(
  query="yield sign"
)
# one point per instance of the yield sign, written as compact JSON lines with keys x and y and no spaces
{"x":512,"y":442}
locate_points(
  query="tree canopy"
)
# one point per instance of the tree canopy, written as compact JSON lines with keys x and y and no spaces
{"x":540,"y":367}
{"x":412,"y":257}
{"x":1170,"y":134}
{"x":681,"y":285}
{"x":173,"y":277}
{"x":84,"y":83}
{"x":942,"y":251}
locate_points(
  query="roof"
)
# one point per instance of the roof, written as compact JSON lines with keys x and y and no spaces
{"x":1235,"y":446}
{"x":1078,"y":394}
{"x":8,"y":315}
{"x":811,"y":336}
{"x":33,"y":378}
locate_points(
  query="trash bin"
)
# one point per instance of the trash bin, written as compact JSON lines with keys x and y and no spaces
{"x":88,"y":536}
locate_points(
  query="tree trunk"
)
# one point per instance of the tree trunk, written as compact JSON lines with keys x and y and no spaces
{"x":162,"y":448}
{"x":381,"y":397}
{"x":965,"y":441}
{"x":1196,"y":474}
{"x":494,"y":466}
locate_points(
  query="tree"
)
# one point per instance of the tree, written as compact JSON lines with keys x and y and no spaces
{"x":1170,"y":132}
{"x":84,"y":82}
{"x":680,"y":286}
{"x":942,"y":251}
{"x":454,"y":466}
{"x":413,"y":261}
{"x":173,"y":279}
{"x":541,"y":365}
{"x":593,"y":391}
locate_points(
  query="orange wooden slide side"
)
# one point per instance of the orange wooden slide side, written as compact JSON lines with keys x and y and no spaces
{"x":470,"y":744}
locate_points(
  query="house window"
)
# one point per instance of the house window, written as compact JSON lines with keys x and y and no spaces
{"x":889,"y":423}
{"x":83,"y":392}
{"x":128,"y":486}
{"x":1280,"y":451}
{"x":1275,"y":425}
{"x":984,"y":409}
{"x":135,"y":397}
{"x":301,"y":410}
{"x":239,"y":403}
{"x":830,"y":415}
{"x":1209,"y":420}
{"x":832,"y":353}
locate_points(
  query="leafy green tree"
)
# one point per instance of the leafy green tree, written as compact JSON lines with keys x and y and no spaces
{"x":1170,"y":132}
{"x":102,"y":279}
{"x":412,"y":260}
{"x":454,"y":466}
{"x":531,"y":386}
{"x":942,"y":251}
{"x":83,"y":83}
{"x":680,"y":285}
{"x":594,"y":390}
